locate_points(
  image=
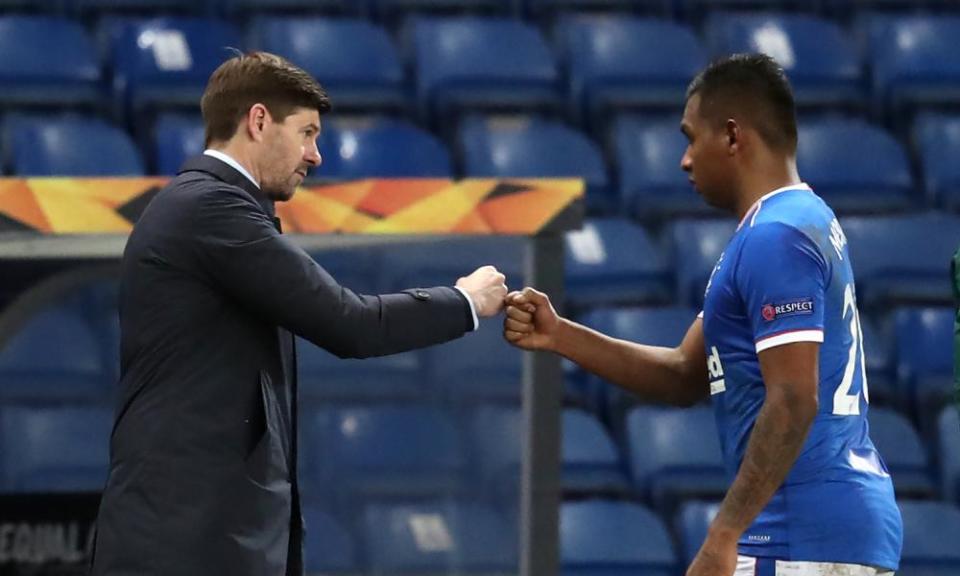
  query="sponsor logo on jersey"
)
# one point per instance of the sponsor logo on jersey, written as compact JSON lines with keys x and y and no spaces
{"x":798,"y":307}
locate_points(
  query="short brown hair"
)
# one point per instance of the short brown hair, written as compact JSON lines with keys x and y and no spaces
{"x":247,"y":79}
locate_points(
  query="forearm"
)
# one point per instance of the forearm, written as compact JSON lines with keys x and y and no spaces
{"x":775,"y":443}
{"x":654,"y":373}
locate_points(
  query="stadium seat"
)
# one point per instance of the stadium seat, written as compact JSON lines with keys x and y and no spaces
{"x":69,"y":146}
{"x":878,"y":354}
{"x":616,"y":63}
{"x":695,"y":9}
{"x":441,"y":263}
{"x":696,"y":247}
{"x":902,"y":259}
{"x":326,"y":378}
{"x":439,"y":538}
{"x":95,"y":8}
{"x":534,"y":148}
{"x":46,"y":61}
{"x":613,"y":261}
{"x":929,"y":539}
{"x":385,"y":452}
{"x":693,"y":522}
{"x":242,"y":8}
{"x":903,"y":452}
{"x":176,"y":137}
{"x":395,"y":10}
{"x":381,"y":148}
{"x":937,"y":141}
{"x":652,"y":185}
{"x":486,"y":63}
{"x":924,"y":353}
{"x":165,"y":63}
{"x":820,"y":60}
{"x":855,"y":167}
{"x":590,"y":462}
{"x":355,"y":61}
{"x":547,"y":9}
{"x":478,"y":367}
{"x":329,"y":547}
{"x":652,"y":326}
{"x":54,"y":357}
{"x":948,"y":451}
{"x":612,"y":538}
{"x":675,"y":454}
{"x":62,"y":449}
{"x":914,"y":63}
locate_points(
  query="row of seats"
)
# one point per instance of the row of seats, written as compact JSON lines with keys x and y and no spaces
{"x":597,"y":536}
{"x":855,"y":166}
{"x":393,"y":8}
{"x":401,"y":460}
{"x":596,"y":66}
{"x":353,"y":455}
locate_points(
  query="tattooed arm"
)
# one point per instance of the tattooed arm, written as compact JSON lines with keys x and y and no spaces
{"x":790,"y":376}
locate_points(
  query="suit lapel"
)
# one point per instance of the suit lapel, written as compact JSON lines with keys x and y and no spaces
{"x":226,"y":173}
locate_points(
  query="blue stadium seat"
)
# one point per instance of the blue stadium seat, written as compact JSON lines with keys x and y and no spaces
{"x":694,"y":9}
{"x":470,"y":63}
{"x":902,"y":258}
{"x":535,"y":148}
{"x":394,"y":10}
{"x":613,"y":261}
{"x":478,"y":367}
{"x":616,"y":63}
{"x":696,"y":247}
{"x":937,"y":140}
{"x":46,"y":61}
{"x":590,"y":462}
{"x":354,"y":60}
{"x":441,"y":263}
{"x":948,"y":452}
{"x":820,"y":60}
{"x":84,"y":8}
{"x":69,"y":146}
{"x":693,"y":522}
{"x":243,"y":8}
{"x":652,"y":184}
{"x":439,"y":538}
{"x":924,"y":353}
{"x":929,"y":539}
{"x":903,"y":452}
{"x":329,"y":547}
{"x":166,"y":62}
{"x":613,"y":539}
{"x":383,"y":452}
{"x":878,"y":354}
{"x":381,"y":148}
{"x":675,"y":454}
{"x":914,"y":63}
{"x":652,"y":326}
{"x":54,"y":449}
{"x":855,"y":167}
{"x":176,"y":137}
{"x":55,"y":356}
{"x":546,"y":9}
{"x":324,"y":377}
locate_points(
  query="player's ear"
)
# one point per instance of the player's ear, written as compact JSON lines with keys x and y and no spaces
{"x":732,"y":135}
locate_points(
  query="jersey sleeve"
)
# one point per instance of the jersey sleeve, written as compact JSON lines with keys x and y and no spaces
{"x":782,"y":277}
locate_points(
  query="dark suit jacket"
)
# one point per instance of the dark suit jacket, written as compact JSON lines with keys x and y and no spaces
{"x":203,"y":456}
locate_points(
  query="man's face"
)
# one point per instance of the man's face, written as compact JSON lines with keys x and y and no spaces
{"x":707,"y":159}
{"x":289,"y":151}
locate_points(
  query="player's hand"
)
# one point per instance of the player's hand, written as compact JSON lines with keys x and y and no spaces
{"x":531,"y":322}
{"x":486,"y":288}
{"x":717,"y":557}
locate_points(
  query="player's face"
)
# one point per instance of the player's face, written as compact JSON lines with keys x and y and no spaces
{"x":290,"y":150}
{"x":706,"y":159}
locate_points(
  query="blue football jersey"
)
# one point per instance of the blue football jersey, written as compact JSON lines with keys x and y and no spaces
{"x":785,"y":277}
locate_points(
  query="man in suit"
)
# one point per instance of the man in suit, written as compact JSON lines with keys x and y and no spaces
{"x":203,"y":473}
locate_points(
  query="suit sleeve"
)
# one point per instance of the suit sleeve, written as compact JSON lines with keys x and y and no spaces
{"x":247,"y":258}
{"x":782,"y":277}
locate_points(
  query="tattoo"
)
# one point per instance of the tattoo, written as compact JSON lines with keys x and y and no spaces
{"x":775,"y":442}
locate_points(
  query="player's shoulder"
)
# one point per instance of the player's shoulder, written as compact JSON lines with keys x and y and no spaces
{"x":798,"y":207}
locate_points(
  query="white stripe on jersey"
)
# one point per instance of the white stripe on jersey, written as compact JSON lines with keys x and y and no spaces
{"x":789,"y":338}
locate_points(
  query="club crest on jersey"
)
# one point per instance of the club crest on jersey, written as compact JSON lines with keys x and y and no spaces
{"x":798,"y":307}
